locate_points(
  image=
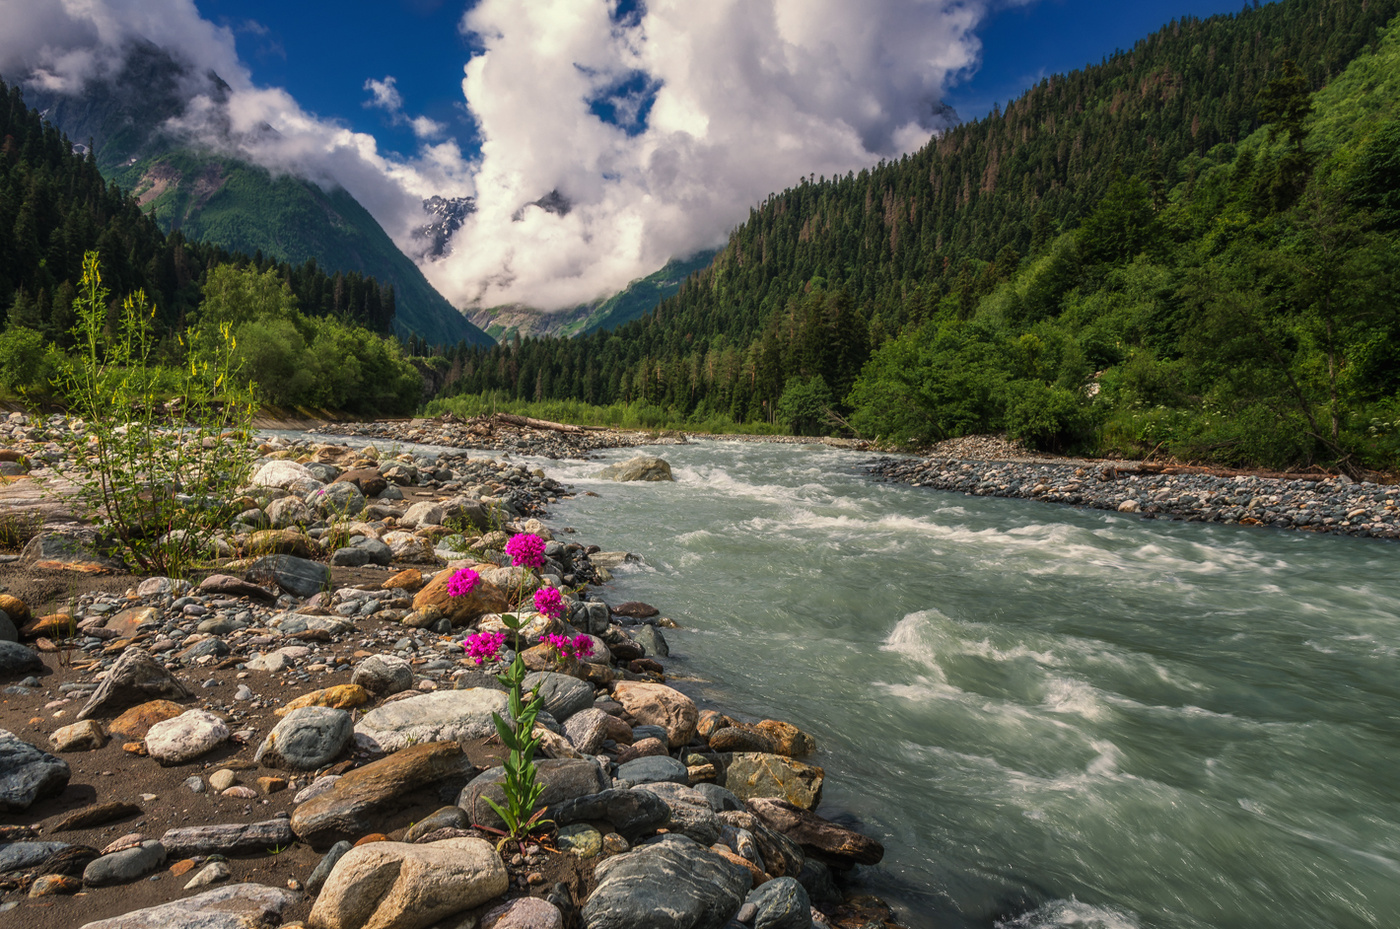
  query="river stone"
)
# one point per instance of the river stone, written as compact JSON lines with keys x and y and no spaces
{"x":349,"y":808}
{"x":563,"y":695}
{"x":136,"y":678}
{"x":564,"y":779}
{"x":449,"y":817}
{"x":383,"y":674}
{"x":651,"y":639}
{"x":237,"y":906}
{"x":395,"y":885}
{"x":306,"y":739}
{"x":186,"y":737}
{"x":17,"y":856}
{"x":281,"y":542}
{"x":816,"y":835}
{"x":228,"y":838}
{"x":672,"y":883}
{"x":581,"y":839}
{"x":445,"y":715}
{"x":350,"y":557}
{"x":281,"y":473}
{"x":424,"y":513}
{"x":343,"y":499}
{"x":659,"y":705}
{"x":719,"y":799}
{"x":633,"y":813}
{"x":125,"y":866}
{"x":288,"y":512}
{"x":79,"y":737}
{"x":587,"y":729}
{"x":524,"y":913}
{"x":8,"y":632}
{"x":377,"y":551}
{"x":781,"y":855}
{"x":654,"y":769}
{"x":369,"y":480}
{"x":782,"y":903}
{"x":690,"y":811}
{"x":485,"y":597}
{"x":15,"y":608}
{"x":337,"y":697}
{"x":769,"y":736}
{"x":28,"y":774}
{"x":326,"y":865}
{"x":18,"y":661}
{"x":225,"y":585}
{"x":297,"y":576}
{"x":759,"y":774}
{"x":137,"y":721}
{"x":640,"y":468}
{"x":56,"y":551}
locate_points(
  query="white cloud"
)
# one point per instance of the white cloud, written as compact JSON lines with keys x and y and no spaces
{"x":713,"y":104}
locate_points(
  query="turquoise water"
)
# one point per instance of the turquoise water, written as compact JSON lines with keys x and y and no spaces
{"x":1051,"y":717}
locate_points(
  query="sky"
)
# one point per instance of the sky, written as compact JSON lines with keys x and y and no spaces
{"x":659,"y":121}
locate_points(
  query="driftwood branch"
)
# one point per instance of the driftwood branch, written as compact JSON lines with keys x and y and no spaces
{"x":528,"y":422}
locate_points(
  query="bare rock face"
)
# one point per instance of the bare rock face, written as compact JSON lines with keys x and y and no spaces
{"x":394,"y":885}
{"x":136,"y":678}
{"x":659,"y":705}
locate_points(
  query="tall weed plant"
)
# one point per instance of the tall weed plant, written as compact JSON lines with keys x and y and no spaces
{"x":162,"y":449}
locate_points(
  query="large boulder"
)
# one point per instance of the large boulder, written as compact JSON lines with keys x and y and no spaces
{"x":758,"y":774}
{"x":485,"y":597}
{"x":27,"y":773}
{"x":640,"y":468}
{"x":299,"y":577}
{"x":445,"y":715}
{"x":136,"y":678}
{"x":817,"y":836}
{"x":394,"y":885}
{"x":237,"y":906}
{"x":282,"y":474}
{"x":659,"y":705}
{"x":673,"y":883}
{"x":306,"y":739}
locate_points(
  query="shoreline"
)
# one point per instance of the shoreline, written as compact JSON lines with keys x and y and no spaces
{"x":222,"y":643}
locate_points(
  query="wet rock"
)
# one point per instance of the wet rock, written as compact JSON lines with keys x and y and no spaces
{"x":348,"y":809}
{"x":769,"y":736}
{"x":781,"y":903}
{"x":446,"y":715}
{"x":28,"y":774}
{"x":564,"y":779}
{"x":306,"y":739}
{"x":659,"y":705}
{"x":757,"y":774}
{"x":640,"y":468}
{"x":816,"y":835}
{"x":383,"y":674}
{"x":237,"y":906}
{"x":673,"y":883}
{"x":635,"y":814}
{"x":635,"y":609}
{"x":395,"y":885}
{"x":228,"y":838}
{"x":651,"y":639}
{"x":297,"y":576}
{"x":186,"y":737}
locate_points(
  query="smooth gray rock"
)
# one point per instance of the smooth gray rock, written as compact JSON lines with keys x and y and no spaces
{"x":28,"y":773}
{"x":564,"y":779}
{"x":228,"y":838}
{"x":640,"y":468}
{"x":326,"y":865}
{"x":635,"y":814}
{"x":53,"y":549}
{"x":125,"y":866}
{"x":306,"y":739}
{"x":586,"y":730}
{"x":15,"y":856}
{"x":350,"y":557}
{"x":378,"y":552}
{"x":654,"y":769}
{"x":8,"y":632}
{"x":719,"y":798}
{"x":340,"y":499}
{"x":563,"y":695}
{"x":782,"y":903}
{"x":297,"y":576}
{"x":136,"y":678}
{"x":383,"y":675}
{"x":443,"y":716}
{"x":449,"y":817}
{"x":672,"y":883}
{"x":690,"y":812}
{"x":651,"y":639}
{"x":237,"y":906}
{"x":16,"y":660}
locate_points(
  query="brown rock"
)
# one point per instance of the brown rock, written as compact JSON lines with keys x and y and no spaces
{"x":339,"y":697}
{"x":407,"y":579}
{"x":635,"y":609}
{"x":97,"y":815}
{"x":711,"y":721}
{"x":659,"y":705}
{"x":769,"y":736}
{"x":369,"y":480}
{"x":787,"y":738}
{"x":58,"y":625}
{"x":126,"y":623}
{"x":137,"y":721}
{"x":818,"y":836}
{"x":759,"y":774}
{"x":272,"y":785}
{"x":48,"y":885}
{"x":16,"y":608}
{"x":372,"y":837}
{"x":184,"y":866}
{"x":758,"y":876}
{"x":486,"y":597}
{"x":618,"y":731}
{"x":646,"y":748}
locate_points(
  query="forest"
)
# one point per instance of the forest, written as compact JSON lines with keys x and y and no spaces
{"x":291,"y":321}
{"x":1188,"y":248}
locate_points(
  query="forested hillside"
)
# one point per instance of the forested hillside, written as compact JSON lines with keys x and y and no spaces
{"x":55,"y":207}
{"x":1178,"y":248}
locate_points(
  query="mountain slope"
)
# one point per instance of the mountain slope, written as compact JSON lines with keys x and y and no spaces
{"x":231,"y":203}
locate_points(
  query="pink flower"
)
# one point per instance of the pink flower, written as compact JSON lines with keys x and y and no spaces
{"x":484,"y":646}
{"x":526,"y":550}
{"x":462,"y":583}
{"x":550,"y":602}
{"x":580,"y":646}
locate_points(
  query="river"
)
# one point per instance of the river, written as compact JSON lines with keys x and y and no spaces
{"x":1049,"y":716}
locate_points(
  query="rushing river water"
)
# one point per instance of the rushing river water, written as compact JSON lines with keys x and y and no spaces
{"x":1050,"y":717}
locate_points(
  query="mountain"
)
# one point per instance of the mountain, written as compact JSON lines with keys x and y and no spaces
{"x":445,"y":217}
{"x":227,"y":201}
{"x":632,"y":302}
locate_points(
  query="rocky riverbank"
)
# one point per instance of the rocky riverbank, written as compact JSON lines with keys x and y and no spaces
{"x":509,"y":434}
{"x":296,"y":737}
{"x":1332,"y":504}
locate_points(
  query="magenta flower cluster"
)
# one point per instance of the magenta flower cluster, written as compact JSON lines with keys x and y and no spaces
{"x":484,"y":646}
{"x":550,"y":602}
{"x":462,"y":583}
{"x":526,"y":550}
{"x":580,"y":646}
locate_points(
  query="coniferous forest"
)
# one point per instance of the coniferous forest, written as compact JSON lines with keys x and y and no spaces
{"x":1189,"y":247}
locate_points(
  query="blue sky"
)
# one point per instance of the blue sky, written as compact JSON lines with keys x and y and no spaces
{"x":325,"y":60}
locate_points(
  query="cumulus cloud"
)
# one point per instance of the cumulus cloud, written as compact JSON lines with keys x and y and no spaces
{"x":614,"y":135}
{"x":662,"y":124}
